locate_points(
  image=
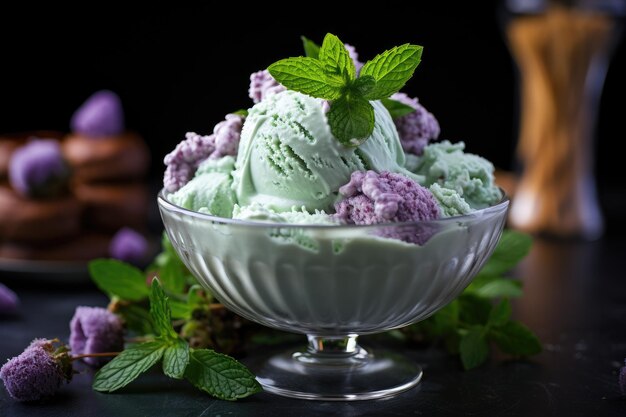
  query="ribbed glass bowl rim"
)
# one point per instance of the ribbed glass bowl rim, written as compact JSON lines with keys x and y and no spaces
{"x":499,"y":206}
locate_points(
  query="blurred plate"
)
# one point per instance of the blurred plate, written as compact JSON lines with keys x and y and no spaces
{"x":57,"y":271}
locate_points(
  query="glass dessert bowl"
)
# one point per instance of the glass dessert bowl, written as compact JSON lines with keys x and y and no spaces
{"x":334,"y":283}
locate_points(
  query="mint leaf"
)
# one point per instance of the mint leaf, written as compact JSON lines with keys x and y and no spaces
{"x":136,"y":318}
{"x":392,"y":69}
{"x":180,"y":309}
{"x":363,"y":85}
{"x":511,"y":249}
{"x":473,"y":348}
{"x":119,"y":279}
{"x":173,"y":276}
{"x":396,"y":109}
{"x":311,"y":49}
{"x":176,"y":358}
{"x":307,"y":76}
{"x":351,"y":120}
{"x":128,"y":365}
{"x":500,"y":287}
{"x":220,"y":375}
{"x":160,"y":312}
{"x":241,"y":112}
{"x":514,"y":338}
{"x":474,"y":309}
{"x":500,"y":314}
{"x":336,"y":60}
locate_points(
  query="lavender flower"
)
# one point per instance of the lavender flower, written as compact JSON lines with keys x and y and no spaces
{"x":372,"y":198}
{"x":355,"y":57}
{"x":95,"y":330}
{"x":38,"y":372}
{"x":38,"y":169}
{"x":263,"y":85}
{"x":415,"y":129}
{"x":9,"y":302}
{"x":129,"y":246}
{"x":183,"y":161}
{"x":622,"y":379}
{"x":100,"y":116}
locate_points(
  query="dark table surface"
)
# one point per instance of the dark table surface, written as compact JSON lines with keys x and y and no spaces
{"x":574,"y":299}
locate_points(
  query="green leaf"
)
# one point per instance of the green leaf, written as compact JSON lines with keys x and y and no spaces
{"x":396,"y":109}
{"x":220,"y":375}
{"x":392,"y":69}
{"x":307,"y":76}
{"x":516,"y":339}
{"x":176,"y":358}
{"x":511,"y":249}
{"x":241,"y":112}
{"x":160,"y":312}
{"x":180,"y":309}
{"x":119,"y":279}
{"x":311,"y":49}
{"x":136,"y":318}
{"x":446,"y":320}
{"x":473,"y":348}
{"x":351,"y":120}
{"x":336,"y":59}
{"x":173,"y":276}
{"x":128,"y":365}
{"x":363,"y":85}
{"x":500,"y":287}
{"x":500,"y":314}
{"x":474,"y":309}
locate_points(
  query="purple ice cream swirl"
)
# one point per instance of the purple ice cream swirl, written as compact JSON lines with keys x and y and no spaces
{"x":417,"y":128}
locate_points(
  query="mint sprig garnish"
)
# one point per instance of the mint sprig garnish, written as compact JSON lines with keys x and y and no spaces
{"x":220,"y":375}
{"x":329,"y":73}
{"x":468,"y":325}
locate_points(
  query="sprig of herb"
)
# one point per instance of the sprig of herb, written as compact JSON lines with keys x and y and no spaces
{"x":470,"y":323}
{"x":328,"y":73}
{"x":218,"y":374}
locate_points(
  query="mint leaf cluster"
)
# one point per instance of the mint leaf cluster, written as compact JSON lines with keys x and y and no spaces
{"x":219,"y":375}
{"x":481,"y":315}
{"x":328,"y":73}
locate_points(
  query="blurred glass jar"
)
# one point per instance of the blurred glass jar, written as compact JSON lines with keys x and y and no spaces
{"x":562,"y":50}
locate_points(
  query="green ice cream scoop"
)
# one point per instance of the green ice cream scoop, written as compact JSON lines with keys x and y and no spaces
{"x":288,"y":156}
{"x":469,"y":175}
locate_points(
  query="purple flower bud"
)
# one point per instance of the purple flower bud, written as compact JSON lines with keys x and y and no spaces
{"x":38,"y":169}
{"x":622,"y":379}
{"x":372,"y":198}
{"x":262,"y":85}
{"x":183,"y":161}
{"x":37,"y":372}
{"x":415,"y":129}
{"x":95,"y":330}
{"x":355,"y":57}
{"x":129,"y":246}
{"x":100,"y":116}
{"x":9,"y":302}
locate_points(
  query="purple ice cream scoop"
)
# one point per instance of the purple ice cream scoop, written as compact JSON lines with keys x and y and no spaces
{"x":182,"y":162}
{"x":38,"y":169}
{"x":372,"y":198}
{"x":415,"y":129}
{"x":262,"y":85}
{"x":100,"y":116}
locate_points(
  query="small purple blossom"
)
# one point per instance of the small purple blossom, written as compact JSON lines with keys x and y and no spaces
{"x":38,"y":169}
{"x":183,"y":161}
{"x":355,"y":57}
{"x":372,"y":198}
{"x":415,"y":129}
{"x":622,"y":379}
{"x":129,"y":246}
{"x":95,"y":330}
{"x":36,"y":373}
{"x":100,"y":115}
{"x":263,"y":85}
{"x":9,"y":302}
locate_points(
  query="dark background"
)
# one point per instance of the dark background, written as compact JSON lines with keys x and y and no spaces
{"x":177,"y":71}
